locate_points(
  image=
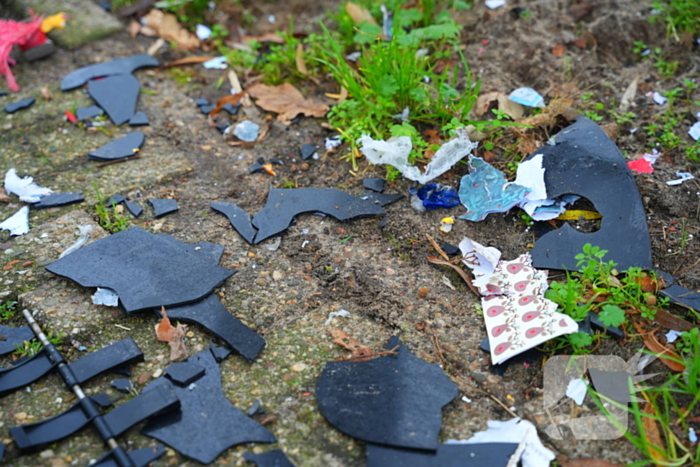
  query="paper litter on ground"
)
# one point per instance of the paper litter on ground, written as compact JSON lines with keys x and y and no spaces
{"x":527,"y":97}
{"x":531,"y":452}
{"x":658,"y":98}
{"x":481,"y":260}
{"x":84,"y":232}
{"x":644,"y":165}
{"x":218,"y":63}
{"x":672,"y":335}
{"x":493,"y":4}
{"x":18,"y":223}
{"x":203,"y":32}
{"x":333,"y":314}
{"x":577,"y":389}
{"x":105,"y":296}
{"x":694,"y":131}
{"x":395,"y":152}
{"x":25,"y":188}
{"x":682,"y":177}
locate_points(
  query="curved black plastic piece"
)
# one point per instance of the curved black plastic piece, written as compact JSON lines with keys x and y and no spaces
{"x":447,"y":455}
{"x":163,"y":207}
{"x":184,"y":373}
{"x":382,"y":199}
{"x":213,"y":316}
{"x":83,"y":113}
{"x":139,"y":119}
{"x":58,"y":199}
{"x":115,"y":355}
{"x":161,"y":398}
{"x":138,"y":457}
{"x":19,"y":105}
{"x":283,"y":204}
{"x":239,"y":219}
{"x":126,"y":146}
{"x":11,"y":337}
{"x":374,"y":184}
{"x":120,"y":66}
{"x":117,"y":95}
{"x":27,"y":372}
{"x":274,"y":458}
{"x":207,"y":423}
{"x":145,"y":270}
{"x":585,"y":161}
{"x":308,"y":150}
{"x":395,"y":400}
{"x":55,"y":428}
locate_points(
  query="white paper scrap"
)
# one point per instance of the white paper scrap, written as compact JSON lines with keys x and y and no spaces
{"x":692,"y":437}
{"x":333,"y":314}
{"x":395,"y":152}
{"x":203,"y":32}
{"x":493,"y":4}
{"x":84,"y":232}
{"x":105,"y":296}
{"x":218,"y":63}
{"x":530,"y":451}
{"x":18,"y":223}
{"x":682,"y":177}
{"x":658,"y":98}
{"x":577,"y":390}
{"x":694,"y":131}
{"x":482,"y":260}
{"x":527,"y":97}
{"x":25,"y":188}
{"x":672,"y":335}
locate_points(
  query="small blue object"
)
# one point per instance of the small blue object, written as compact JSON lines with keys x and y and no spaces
{"x":436,"y":195}
{"x":247,"y":131}
{"x":485,"y":190}
{"x":527,"y":97}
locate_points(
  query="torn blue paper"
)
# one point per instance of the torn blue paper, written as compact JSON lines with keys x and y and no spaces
{"x":218,"y":63}
{"x":18,"y":223}
{"x":105,"y":296}
{"x":435,"y":195}
{"x":694,"y":131}
{"x":527,"y":97}
{"x":485,"y":190}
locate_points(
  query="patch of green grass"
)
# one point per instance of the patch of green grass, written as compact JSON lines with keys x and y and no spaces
{"x":32,"y":347}
{"x":597,"y":286}
{"x":110,"y":220}
{"x":680,"y":16}
{"x":8,"y":310}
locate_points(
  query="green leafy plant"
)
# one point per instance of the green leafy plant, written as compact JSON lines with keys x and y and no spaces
{"x":7,"y":310}
{"x":110,"y":220}
{"x":680,"y":16}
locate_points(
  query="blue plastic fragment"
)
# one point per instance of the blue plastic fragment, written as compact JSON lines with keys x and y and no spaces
{"x":436,"y":195}
{"x":485,"y":190}
{"x":527,"y":97}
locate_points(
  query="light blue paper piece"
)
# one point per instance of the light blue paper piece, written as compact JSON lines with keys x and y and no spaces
{"x":527,"y":97}
{"x":485,"y":190}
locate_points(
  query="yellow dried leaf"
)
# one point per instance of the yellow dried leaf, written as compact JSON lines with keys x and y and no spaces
{"x":359,"y":14}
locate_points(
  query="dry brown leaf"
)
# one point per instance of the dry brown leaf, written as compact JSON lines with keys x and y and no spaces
{"x":287,"y":101}
{"x":155,"y":46}
{"x":4,"y":198}
{"x":558,"y":50}
{"x":549,"y":114}
{"x":359,"y":14}
{"x":134,"y":28}
{"x":234,"y":81}
{"x":186,"y":61}
{"x":299,"y":59}
{"x":232,"y":99}
{"x":359,"y":351}
{"x":267,"y":37}
{"x":656,"y":347}
{"x":167,"y":27}
{"x":512,"y":109}
{"x":46,"y":94}
{"x":166,"y":332}
{"x":670,"y":321}
{"x":653,"y":434}
{"x":586,"y":463}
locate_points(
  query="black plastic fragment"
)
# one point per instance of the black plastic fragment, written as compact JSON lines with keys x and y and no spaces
{"x":283,"y":204}
{"x":145,"y":270}
{"x":117,"y":95}
{"x":58,"y":199}
{"x":222,"y":128}
{"x":2,"y":450}
{"x":239,"y":219}
{"x":308,"y":150}
{"x":255,"y":408}
{"x":83,"y":113}
{"x":184,"y":373}
{"x":382,"y":199}
{"x":611,"y":384}
{"x":123,"y":385}
{"x":206,"y":109}
{"x":201,"y":101}
{"x":115,"y":199}
{"x":231,"y":109}
{"x":395,"y":400}
{"x":126,"y":146}
{"x":585,"y":161}
{"x":207,"y":423}
{"x":134,"y":208}
{"x":115,"y":67}
{"x":19,"y":105}
{"x":374,"y":184}
{"x":161,"y":398}
{"x":163,"y":207}
{"x":24,"y":373}
{"x":257,"y":166}
{"x":220,"y":353}
{"x":52,"y":429}
{"x":274,"y":458}
{"x":447,"y":455}
{"x":213,"y":316}
{"x":675,"y":292}
{"x":11,"y":337}
{"x":450,"y":249}
{"x":139,"y":119}
{"x":120,"y":353}
{"x":276,"y":161}
{"x":138,"y":457}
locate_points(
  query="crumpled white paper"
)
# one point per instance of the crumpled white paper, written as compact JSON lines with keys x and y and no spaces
{"x":105,"y":296}
{"x":576,"y":390}
{"x":482,"y":260}
{"x":333,"y":314}
{"x":684,"y":176}
{"x":395,"y":152}
{"x":530,"y":450}
{"x":84,"y":232}
{"x":25,"y":188}
{"x":18,"y":223}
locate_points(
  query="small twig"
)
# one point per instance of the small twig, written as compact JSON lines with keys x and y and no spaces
{"x":437,"y":248}
{"x":123,"y":327}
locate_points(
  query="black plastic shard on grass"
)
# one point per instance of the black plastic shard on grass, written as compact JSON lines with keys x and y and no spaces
{"x":139,"y":119}
{"x":283,"y":204}
{"x":120,"y":66}
{"x":11,"y":337}
{"x":137,"y":457}
{"x":117,"y":95}
{"x":83,"y":113}
{"x":145,"y":270}
{"x":374,"y":184}
{"x":308,"y":150}
{"x":126,"y":146}
{"x":163,"y":207}
{"x":394,"y":400}
{"x":274,"y":458}
{"x":207,"y":423}
{"x":19,"y":105}
{"x":447,"y":455}
{"x":585,"y":162}
{"x":239,"y":219}
{"x":57,"y":200}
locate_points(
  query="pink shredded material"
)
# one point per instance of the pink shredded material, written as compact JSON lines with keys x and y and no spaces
{"x":22,"y":34}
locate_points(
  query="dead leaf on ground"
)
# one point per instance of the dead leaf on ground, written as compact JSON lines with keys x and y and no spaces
{"x":267,"y":37}
{"x":155,"y":46}
{"x":166,"y":26}
{"x":653,"y":434}
{"x":232,"y":99}
{"x":359,"y":14}
{"x":671,"y":321}
{"x":558,"y":50}
{"x":585,"y":463}
{"x":166,"y":332}
{"x":512,"y":109}
{"x":548,"y":117}
{"x":4,"y":198}
{"x":46,"y":94}
{"x":186,"y":61}
{"x":356,"y":348}
{"x":299,"y":59}
{"x":287,"y":101}
{"x":234,"y":81}
{"x":656,"y":347}
{"x":134,"y":28}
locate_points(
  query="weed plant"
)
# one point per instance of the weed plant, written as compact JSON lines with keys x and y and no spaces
{"x":680,"y":16}
{"x":111,"y":221}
